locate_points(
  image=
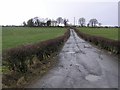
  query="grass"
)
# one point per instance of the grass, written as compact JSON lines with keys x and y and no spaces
{"x":111,"y":33}
{"x":4,"y":69}
{"x":15,"y":36}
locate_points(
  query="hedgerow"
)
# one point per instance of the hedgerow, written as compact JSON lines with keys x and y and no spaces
{"x":108,"y":44}
{"x":18,"y":59}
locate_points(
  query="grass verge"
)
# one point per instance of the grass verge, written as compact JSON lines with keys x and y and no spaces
{"x":18,"y":80}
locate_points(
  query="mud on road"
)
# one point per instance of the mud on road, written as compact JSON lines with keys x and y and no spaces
{"x":81,"y":65}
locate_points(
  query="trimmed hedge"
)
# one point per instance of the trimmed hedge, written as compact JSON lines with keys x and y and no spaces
{"x":18,"y":59}
{"x":108,"y":44}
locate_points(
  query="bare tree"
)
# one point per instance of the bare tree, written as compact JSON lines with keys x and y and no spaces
{"x":24,"y":23}
{"x":30,"y":22}
{"x":99,"y":24}
{"x":88,"y":25}
{"x":81,"y":21}
{"x":36,"y":21}
{"x":59,"y":20}
{"x":65,"y":22}
{"x":48,"y":22}
{"x":93,"y":22}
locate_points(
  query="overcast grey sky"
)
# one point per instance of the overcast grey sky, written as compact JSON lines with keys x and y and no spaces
{"x":14,"y":12}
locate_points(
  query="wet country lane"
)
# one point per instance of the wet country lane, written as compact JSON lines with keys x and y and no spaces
{"x":81,"y":65}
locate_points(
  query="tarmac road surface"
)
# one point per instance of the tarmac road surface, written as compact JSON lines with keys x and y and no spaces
{"x":81,"y":65}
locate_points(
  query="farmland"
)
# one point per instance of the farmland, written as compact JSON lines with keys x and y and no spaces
{"x":110,"y":33}
{"x":31,"y":60}
{"x":106,"y":38}
{"x":15,"y":36}
{"x":46,"y":43}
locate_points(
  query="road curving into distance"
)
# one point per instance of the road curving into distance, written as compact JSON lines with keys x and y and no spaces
{"x":81,"y":65}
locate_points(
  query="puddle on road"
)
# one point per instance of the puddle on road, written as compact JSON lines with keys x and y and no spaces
{"x":70,"y":52}
{"x":87,"y":46}
{"x":92,"y":78}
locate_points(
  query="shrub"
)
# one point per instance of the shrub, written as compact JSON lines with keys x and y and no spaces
{"x":104,"y":43}
{"x":17,"y":59}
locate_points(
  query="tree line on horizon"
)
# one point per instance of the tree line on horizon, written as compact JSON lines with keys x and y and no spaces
{"x":45,"y":22}
{"x":36,"y":21}
{"x":93,"y":22}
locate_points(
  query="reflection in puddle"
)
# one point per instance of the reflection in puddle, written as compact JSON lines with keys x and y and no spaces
{"x":70,"y":52}
{"x":87,"y":46}
{"x":92,"y":78}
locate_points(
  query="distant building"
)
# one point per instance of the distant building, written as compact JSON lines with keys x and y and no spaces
{"x":53,"y":23}
{"x":61,"y":24}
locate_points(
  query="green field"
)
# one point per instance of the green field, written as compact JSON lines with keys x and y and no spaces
{"x":111,"y":33}
{"x":15,"y":36}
